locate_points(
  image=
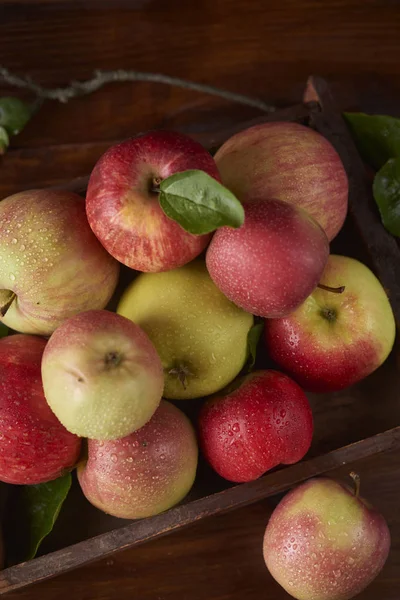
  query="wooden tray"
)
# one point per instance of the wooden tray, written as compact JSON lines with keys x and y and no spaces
{"x":349,"y":425}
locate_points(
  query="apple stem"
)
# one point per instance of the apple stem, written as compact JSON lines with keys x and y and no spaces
{"x":334,"y":290}
{"x":155,"y":185}
{"x":182,"y":373}
{"x":4,"y":308}
{"x":357,"y":483}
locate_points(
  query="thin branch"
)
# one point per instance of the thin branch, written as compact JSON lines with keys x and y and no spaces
{"x":101,"y":78}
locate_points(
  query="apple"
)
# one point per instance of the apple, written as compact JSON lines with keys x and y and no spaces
{"x":101,"y":375}
{"x":261,"y":421}
{"x":273,"y":262}
{"x":34,"y":446}
{"x":335,"y":339}
{"x":200,"y":336}
{"x":51,"y":264}
{"x":324,"y":542}
{"x":290,"y":162}
{"x":146,"y":472}
{"x":122,"y":200}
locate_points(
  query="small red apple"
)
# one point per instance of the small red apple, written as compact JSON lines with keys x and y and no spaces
{"x":122,"y":202}
{"x":273,"y":262}
{"x":145,"y":472}
{"x":264,"y":422}
{"x":34,"y":446}
{"x":290,"y":162}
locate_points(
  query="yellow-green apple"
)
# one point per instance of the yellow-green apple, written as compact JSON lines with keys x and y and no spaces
{"x":34,"y":446}
{"x":273,"y":262}
{"x":122,"y":200}
{"x":101,"y":375}
{"x":146,"y":472}
{"x":324,"y":542}
{"x":290,"y":162}
{"x":261,"y":421}
{"x":51,"y":264}
{"x":200,"y":336}
{"x":335,"y":339}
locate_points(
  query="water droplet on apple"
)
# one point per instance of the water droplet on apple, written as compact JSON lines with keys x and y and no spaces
{"x":114,"y":458}
{"x":236,"y":427}
{"x":14,"y":241}
{"x":101,"y":455}
{"x":19,"y":225}
{"x":230,"y":433}
{"x":291,"y":583}
{"x":351,"y":560}
{"x":294,"y":546}
{"x":12,"y":276}
{"x":283,"y":413}
{"x":278,"y":421}
{"x":292,"y":539}
{"x":162,"y":456}
{"x":22,"y":247}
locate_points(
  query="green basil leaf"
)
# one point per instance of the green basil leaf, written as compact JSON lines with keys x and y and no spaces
{"x":199,"y":203}
{"x":35,"y":511}
{"x":386,"y":190}
{"x":253,"y":337}
{"x":4,"y":140}
{"x":14,"y":115}
{"x":377,"y":137}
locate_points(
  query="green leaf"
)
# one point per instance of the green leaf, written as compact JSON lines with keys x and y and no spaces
{"x":377,"y":137}
{"x":199,"y":203}
{"x":253,"y":337}
{"x":4,"y":140}
{"x":14,"y":115}
{"x":35,"y":512}
{"x":386,"y":190}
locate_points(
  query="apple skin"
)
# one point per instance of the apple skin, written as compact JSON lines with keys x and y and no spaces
{"x":290,"y":162}
{"x":334,"y":340}
{"x":324,"y":543}
{"x":193,"y":326}
{"x":34,"y":446}
{"x":263,"y":422}
{"x":51,"y":260}
{"x":127,"y":217}
{"x":146,"y":472}
{"x":101,"y":375}
{"x":273,"y":262}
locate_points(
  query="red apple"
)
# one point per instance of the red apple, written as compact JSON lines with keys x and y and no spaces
{"x":290,"y":162}
{"x":123,"y":209}
{"x":146,"y":472}
{"x":34,"y":446}
{"x":334,"y":340}
{"x":324,"y":542}
{"x":273,"y":262}
{"x":263,"y":422}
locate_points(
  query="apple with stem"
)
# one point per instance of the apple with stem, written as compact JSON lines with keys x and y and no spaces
{"x":122,"y":201}
{"x":51,"y":264}
{"x":325,"y":542}
{"x":34,"y":446}
{"x":335,"y":339}
{"x":102,"y":376}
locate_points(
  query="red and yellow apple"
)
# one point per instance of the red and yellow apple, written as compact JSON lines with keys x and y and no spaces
{"x":122,"y":200}
{"x":290,"y":162}
{"x":335,"y":339}
{"x":146,"y":472}
{"x":34,"y":446}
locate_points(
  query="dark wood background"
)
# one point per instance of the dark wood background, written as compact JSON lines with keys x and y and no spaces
{"x":254,"y":47}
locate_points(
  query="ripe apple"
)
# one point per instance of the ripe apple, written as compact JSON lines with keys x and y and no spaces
{"x":34,"y":446}
{"x":273,"y":262}
{"x":146,"y":472}
{"x":122,"y":200}
{"x":101,"y":375}
{"x":261,"y":421}
{"x":290,"y":162}
{"x":200,"y":336}
{"x":335,"y":339}
{"x":325,"y":542}
{"x":51,"y":264}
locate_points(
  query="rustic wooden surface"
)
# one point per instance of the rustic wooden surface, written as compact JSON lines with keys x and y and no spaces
{"x":259,"y":48}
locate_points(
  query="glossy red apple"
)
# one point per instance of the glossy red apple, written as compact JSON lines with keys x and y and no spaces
{"x":263,"y":422}
{"x":290,"y":162}
{"x":146,"y":472}
{"x":273,"y":262}
{"x":324,"y":542}
{"x":334,"y":340}
{"x":34,"y":446}
{"x":123,"y":209}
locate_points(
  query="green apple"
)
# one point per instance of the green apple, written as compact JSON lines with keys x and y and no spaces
{"x":200,"y":335}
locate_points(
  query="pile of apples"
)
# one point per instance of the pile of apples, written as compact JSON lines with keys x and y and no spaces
{"x":73,"y":370}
